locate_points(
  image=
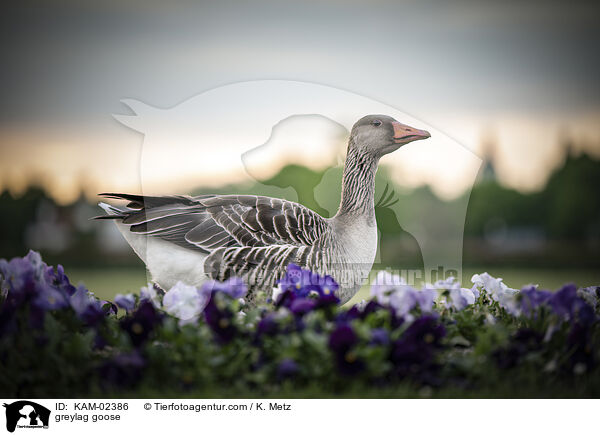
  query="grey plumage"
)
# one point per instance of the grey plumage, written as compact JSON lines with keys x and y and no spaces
{"x":256,"y":237}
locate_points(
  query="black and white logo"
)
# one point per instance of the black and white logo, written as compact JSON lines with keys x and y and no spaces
{"x":26,"y":414}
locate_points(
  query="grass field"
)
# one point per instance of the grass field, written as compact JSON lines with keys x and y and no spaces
{"x":106,"y":283}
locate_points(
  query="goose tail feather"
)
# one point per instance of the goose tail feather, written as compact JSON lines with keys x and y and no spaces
{"x":112,"y":212}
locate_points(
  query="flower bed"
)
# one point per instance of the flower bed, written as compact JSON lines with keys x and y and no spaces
{"x":443,"y":340}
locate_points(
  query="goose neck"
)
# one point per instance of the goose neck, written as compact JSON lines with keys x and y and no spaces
{"x":358,"y":184}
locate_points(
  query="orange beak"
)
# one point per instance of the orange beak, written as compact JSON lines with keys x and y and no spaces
{"x":405,"y":134}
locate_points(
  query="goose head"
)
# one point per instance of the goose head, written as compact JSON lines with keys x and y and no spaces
{"x":378,"y":135}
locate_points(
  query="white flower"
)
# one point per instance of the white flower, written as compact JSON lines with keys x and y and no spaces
{"x":461,"y":297}
{"x":403,"y":299}
{"x":393,"y":290}
{"x":386,"y":284}
{"x":497,"y":290}
{"x":508,"y":301}
{"x":185,"y":302}
{"x":425,"y":298}
{"x":458,"y":297}
{"x":493,"y":286}
{"x":149,"y":293}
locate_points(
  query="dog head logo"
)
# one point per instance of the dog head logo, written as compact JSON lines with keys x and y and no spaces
{"x":26,"y":414}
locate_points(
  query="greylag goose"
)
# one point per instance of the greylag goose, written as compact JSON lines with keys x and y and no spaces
{"x":191,"y":239}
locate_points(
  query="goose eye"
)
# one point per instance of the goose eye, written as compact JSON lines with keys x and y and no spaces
{"x":376,"y":123}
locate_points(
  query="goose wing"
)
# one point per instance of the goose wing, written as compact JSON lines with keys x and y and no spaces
{"x":210,"y":222}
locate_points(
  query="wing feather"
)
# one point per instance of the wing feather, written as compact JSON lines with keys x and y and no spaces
{"x":211,"y":222}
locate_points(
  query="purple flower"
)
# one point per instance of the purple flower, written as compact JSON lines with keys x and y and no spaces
{"x":127,"y":302}
{"x":584,"y":313}
{"x":562,"y":301}
{"x":267,"y":325}
{"x":302,"y":282}
{"x":342,"y":338}
{"x":327,"y":300}
{"x":287,"y":368}
{"x":220,"y":321}
{"x":569,"y":306}
{"x":349,"y":315}
{"x":30,"y":280}
{"x":293,"y":280}
{"x":141,"y":323}
{"x":379,"y":337}
{"x":49,"y":298}
{"x":18,"y":279}
{"x":233,"y":287}
{"x":413,"y":354}
{"x":87,"y":307}
{"x":285,"y":299}
{"x":297,"y":288}
{"x":530,"y":299}
{"x":18,"y":285}
{"x":39,"y":267}
{"x":342,"y":342}
{"x":59,"y":280}
{"x":301,"y":306}
{"x":425,"y":330}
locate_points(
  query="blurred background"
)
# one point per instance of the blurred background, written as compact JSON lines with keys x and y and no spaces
{"x":514,"y":82}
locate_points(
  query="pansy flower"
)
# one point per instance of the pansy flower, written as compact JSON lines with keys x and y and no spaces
{"x":303,"y":282}
{"x":185,"y":302}
{"x":220,"y":320}
{"x":342,"y":342}
{"x":569,"y":306}
{"x":530,"y":299}
{"x":141,"y":323}
{"x":127,"y":302}
{"x":413,"y":353}
{"x":233,"y":287}
{"x":379,"y":337}
{"x":150,"y":294}
{"x":87,"y":307}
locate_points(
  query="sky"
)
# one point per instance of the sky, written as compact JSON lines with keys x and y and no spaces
{"x":523,"y":75}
